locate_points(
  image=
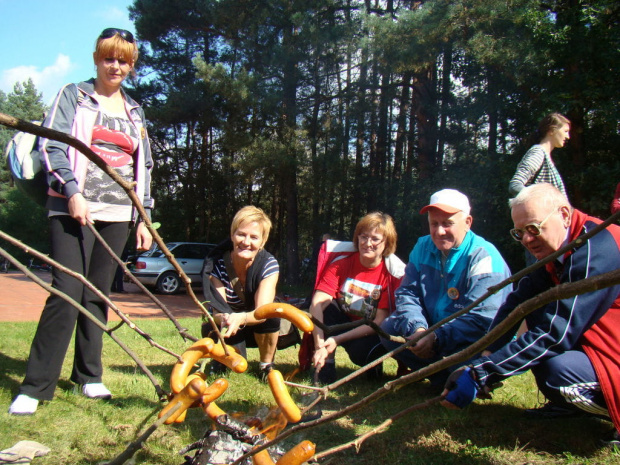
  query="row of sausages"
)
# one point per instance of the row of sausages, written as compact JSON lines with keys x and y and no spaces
{"x":192,"y":391}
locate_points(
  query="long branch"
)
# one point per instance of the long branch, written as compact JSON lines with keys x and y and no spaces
{"x":160,"y":392}
{"x":41,"y":131}
{"x":124,"y":318}
{"x":562,"y":291}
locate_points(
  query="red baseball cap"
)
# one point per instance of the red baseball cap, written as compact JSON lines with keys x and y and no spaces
{"x":448,"y":201}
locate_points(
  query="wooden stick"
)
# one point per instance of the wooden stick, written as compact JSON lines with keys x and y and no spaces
{"x":48,"y":133}
{"x":561,"y":291}
{"x":160,"y":392}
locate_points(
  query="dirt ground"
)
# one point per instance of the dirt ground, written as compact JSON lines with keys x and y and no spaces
{"x":21,"y":299}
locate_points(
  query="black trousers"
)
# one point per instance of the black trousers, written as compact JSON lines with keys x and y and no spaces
{"x":361,"y":351}
{"x":75,"y":247}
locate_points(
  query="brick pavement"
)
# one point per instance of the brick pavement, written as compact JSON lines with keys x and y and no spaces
{"x":21,"y":299}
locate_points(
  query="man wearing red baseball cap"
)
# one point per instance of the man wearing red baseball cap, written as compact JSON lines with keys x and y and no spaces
{"x":447,"y":270}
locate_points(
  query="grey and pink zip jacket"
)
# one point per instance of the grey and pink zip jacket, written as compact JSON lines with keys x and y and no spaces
{"x":74,"y":111}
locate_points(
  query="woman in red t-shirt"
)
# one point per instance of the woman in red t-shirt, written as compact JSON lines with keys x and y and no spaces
{"x":358,"y":285}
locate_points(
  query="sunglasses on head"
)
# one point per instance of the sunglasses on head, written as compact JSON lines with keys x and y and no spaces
{"x":533,"y":229}
{"x":112,"y":31}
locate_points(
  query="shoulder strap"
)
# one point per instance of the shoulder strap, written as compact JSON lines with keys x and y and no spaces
{"x":212,"y":297}
{"x":234,"y":279}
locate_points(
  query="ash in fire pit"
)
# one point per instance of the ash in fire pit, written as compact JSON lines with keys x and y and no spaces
{"x":226,"y":444}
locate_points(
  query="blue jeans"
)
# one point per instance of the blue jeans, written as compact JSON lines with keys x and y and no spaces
{"x":413,"y":361}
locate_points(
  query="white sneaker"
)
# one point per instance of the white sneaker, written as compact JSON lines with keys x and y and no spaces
{"x":23,"y":405}
{"x":96,"y":391}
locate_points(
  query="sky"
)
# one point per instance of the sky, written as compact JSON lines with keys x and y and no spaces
{"x":52,"y":41}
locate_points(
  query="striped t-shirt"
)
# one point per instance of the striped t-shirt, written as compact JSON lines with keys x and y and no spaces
{"x":232,"y":299}
{"x":536,"y":167}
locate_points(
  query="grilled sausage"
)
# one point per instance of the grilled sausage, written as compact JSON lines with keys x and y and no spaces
{"x":235,"y":361}
{"x":262,"y":458}
{"x":199,"y":349}
{"x":287,"y":311}
{"x":200,"y":375}
{"x":299,"y":454}
{"x":213,"y":410}
{"x":283,"y":398}
{"x":190,"y":393}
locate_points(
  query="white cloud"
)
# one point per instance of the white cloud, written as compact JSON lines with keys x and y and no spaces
{"x":47,"y":80}
{"x":115,"y":17}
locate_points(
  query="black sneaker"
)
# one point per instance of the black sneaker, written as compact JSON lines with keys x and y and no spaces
{"x":375,"y":373}
{"x":218,"y":369}
{"x":264,"y":371}
{"x":327,"y":375}
{"x":550,"y":411}
{"x":611,"y":439}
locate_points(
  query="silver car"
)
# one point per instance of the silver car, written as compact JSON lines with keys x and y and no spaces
{"x":153,"y":268}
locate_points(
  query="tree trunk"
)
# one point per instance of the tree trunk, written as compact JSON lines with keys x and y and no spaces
{"x":446,"y":95}
{"x":289,"y":176}
{"x":426,"y":118}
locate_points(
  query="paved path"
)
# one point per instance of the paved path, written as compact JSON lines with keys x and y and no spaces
{"x":21,"y":299}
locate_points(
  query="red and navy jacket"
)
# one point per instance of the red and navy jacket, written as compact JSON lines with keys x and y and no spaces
{"x":590,"y":321}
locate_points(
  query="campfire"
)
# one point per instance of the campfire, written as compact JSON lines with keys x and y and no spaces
{"x":235,"y":435}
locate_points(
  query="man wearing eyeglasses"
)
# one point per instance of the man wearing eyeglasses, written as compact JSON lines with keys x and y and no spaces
{"x":447,"y":270}
{"x":572,"y":345}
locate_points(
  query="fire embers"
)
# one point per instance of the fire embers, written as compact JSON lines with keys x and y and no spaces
{"x":217,"y":447}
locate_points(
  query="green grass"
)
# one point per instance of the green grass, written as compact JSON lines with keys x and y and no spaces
{"x":84,"y":431}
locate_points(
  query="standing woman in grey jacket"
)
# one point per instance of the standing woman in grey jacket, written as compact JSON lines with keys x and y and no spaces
{"x":99,"y":113}
{"x":536,"y":166}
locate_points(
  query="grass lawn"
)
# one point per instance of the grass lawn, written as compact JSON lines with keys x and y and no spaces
{"x":84,"y":431}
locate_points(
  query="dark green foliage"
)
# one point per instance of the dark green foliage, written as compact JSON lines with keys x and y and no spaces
{"x":19,"y":215}
{"x":26,"y":221}
{"x":321,"y":111}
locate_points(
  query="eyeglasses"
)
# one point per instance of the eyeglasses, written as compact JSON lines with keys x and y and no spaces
{"x":371,"y":240}
{"x":112,"y":31}
{"x":533,"y":228}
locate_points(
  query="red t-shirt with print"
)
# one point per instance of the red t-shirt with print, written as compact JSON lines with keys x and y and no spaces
{"x":357,"y":289}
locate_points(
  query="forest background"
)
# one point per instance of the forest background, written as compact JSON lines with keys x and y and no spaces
{"x":322,"y":111}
